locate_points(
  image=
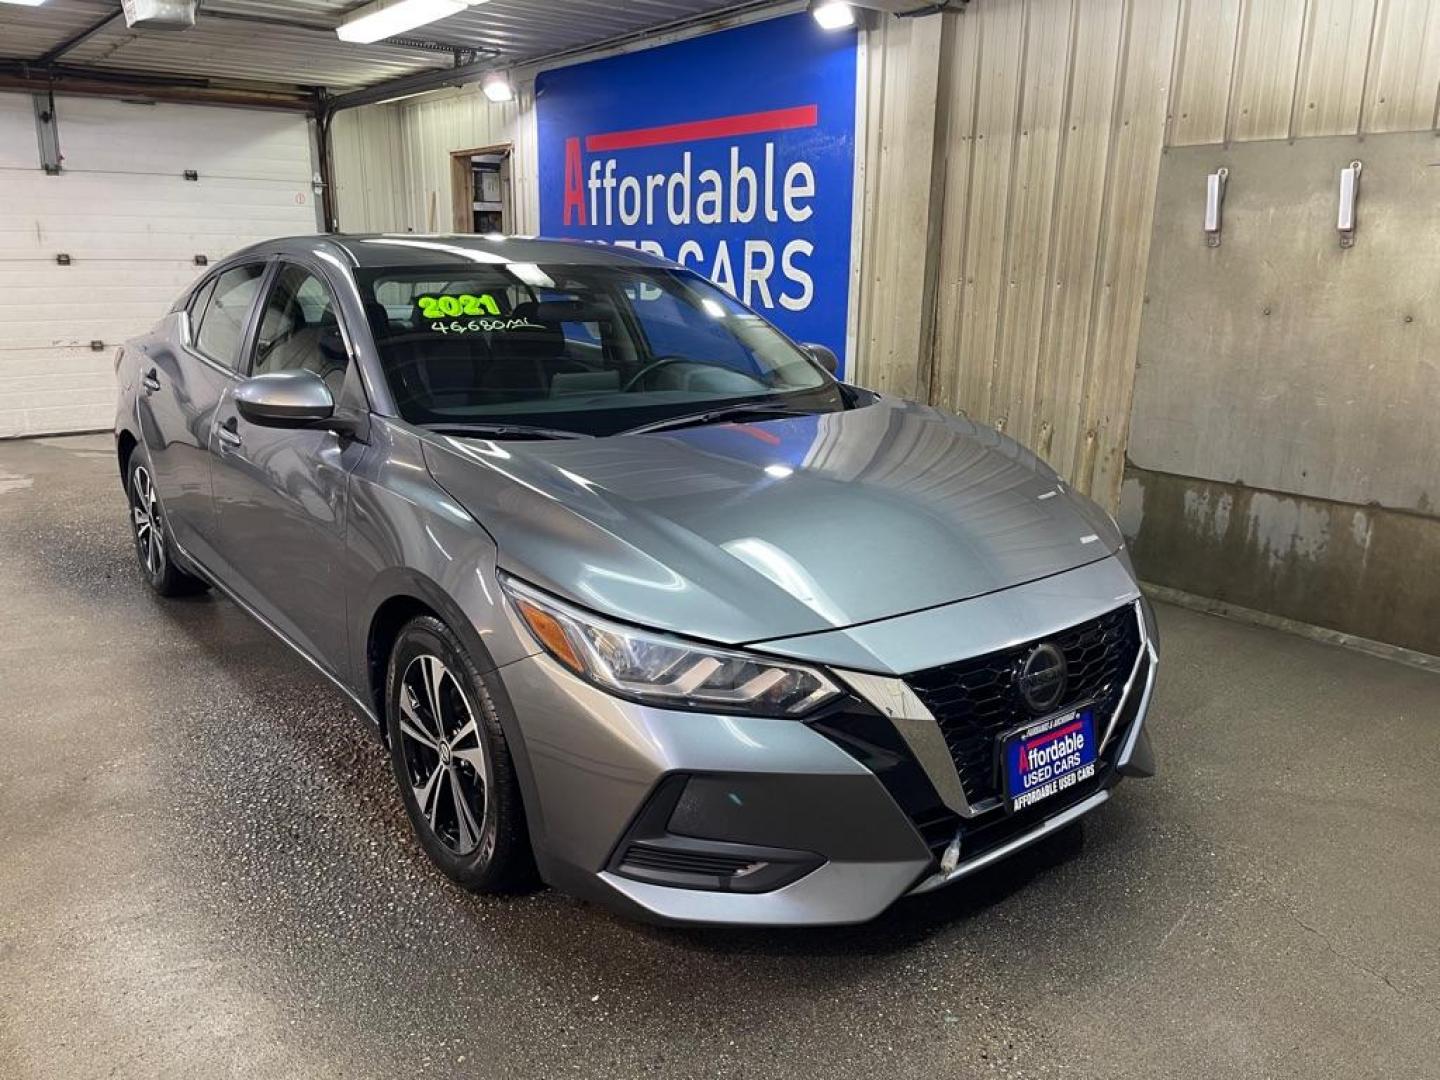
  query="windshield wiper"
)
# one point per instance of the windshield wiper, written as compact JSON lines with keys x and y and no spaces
{"x":756,"y":409}
{"x":504,"y":431}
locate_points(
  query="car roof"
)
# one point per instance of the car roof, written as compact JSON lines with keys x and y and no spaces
{"x":412,"y":249}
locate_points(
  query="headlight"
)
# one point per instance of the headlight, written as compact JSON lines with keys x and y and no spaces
{"x":666,"y":671}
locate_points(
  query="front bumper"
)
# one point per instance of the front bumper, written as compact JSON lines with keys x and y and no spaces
{"x":690,"y":818}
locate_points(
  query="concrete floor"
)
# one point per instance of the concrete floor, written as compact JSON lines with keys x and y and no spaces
{"x":204,"y":871}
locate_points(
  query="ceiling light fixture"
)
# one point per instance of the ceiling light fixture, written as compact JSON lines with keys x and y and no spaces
{"x":386,"y":18}
{"x":24,"y":3}
{"x":497,"y":87}
{"x":832,"y":14}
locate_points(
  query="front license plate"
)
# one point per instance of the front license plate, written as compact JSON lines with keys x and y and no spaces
{"x":1049,"y":756}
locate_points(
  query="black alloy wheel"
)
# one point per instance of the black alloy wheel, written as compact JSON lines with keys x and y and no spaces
{"x":152,"y":540}
{"x":452,"y":762}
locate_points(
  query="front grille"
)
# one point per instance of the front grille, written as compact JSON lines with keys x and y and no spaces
{"x":976,"y":700}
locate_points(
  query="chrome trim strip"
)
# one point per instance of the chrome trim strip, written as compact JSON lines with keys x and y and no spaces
{"x":1127,"y":751}
{"x":920,"y":730}
{"x":1140,"y":654}
{"x":196,"y":564}
{"x":1045,"y":828}
{"x":224,"y":369}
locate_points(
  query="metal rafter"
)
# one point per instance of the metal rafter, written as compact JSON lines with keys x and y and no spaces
{"x":76,"y":39}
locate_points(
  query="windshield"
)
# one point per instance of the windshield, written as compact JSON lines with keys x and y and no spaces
{"x":582,"y":350}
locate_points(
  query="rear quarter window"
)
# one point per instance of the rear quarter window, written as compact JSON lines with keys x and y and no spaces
{"x":227,"y":312}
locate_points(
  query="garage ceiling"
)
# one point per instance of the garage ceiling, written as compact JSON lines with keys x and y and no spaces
{"x":293,"y":42}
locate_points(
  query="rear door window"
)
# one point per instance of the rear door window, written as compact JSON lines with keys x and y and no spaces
{"x":222,"y":325}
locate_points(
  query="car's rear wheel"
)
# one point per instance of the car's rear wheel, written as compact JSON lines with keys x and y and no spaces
{"x":452,"y":762}
{"x":153,"y":547}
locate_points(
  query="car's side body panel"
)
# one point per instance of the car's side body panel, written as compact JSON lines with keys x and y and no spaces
{"x":178,"y":392}
{"x":405,"y":530}
{"x":280,"y":505}
{"x":280,"y":512}
{"x":408,"y":542}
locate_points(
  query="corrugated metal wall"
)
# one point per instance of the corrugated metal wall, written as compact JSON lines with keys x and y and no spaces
{"x":899,"y":178}
{"x":368,"y":165}
{"x":392,"y":162}
{"x":1052,"y":118}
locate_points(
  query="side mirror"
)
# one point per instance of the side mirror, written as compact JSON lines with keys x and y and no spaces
{"x":285,"y":399}
{"x":824,"y":356}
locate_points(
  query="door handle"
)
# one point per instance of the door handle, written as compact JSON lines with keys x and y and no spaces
{"x":227,"y":433}
{"x":151,"y":381}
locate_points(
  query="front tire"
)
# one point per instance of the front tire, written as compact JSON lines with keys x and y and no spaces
{"x":153,"y":547}
{"x":452,"y":762}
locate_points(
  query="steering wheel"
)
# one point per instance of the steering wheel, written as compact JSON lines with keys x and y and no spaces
{"x":660,"y":362}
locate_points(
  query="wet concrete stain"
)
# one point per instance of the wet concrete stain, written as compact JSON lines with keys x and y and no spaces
{"x":1366,"y":571}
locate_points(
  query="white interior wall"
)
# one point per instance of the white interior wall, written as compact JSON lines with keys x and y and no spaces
{"x":132,"y":226}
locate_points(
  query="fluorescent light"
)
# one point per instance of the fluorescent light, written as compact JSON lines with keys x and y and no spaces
{"x":497,"y":87}
{"x":24,"y":3}
{"x":832,"y":15}
{"x":386,"y":18}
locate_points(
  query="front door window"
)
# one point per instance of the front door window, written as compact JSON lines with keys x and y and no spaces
{"x":300,"y":330}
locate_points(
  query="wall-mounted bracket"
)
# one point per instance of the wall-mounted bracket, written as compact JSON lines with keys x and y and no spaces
{"x":1214,"y":205}
{"x":47,"y":131}
{"x":1349,"y":195}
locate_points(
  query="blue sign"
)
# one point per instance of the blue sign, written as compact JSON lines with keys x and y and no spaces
{"x":1050,"y":756}
{"x":731,"y":153}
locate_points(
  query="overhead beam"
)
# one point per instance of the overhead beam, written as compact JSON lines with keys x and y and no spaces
{"x":79,"y":38}
{"x":96,"y":82}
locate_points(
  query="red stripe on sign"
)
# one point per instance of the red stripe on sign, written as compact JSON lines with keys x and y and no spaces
{"x":798,"y":116}
{"x":1051,"y":736}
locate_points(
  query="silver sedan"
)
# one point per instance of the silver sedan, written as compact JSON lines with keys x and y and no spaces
{"x":642,"y":600}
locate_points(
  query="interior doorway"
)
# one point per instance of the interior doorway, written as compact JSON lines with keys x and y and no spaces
{"x":480,"y":190}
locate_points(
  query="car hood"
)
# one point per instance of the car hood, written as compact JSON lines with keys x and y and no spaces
{"x":743,"y":532}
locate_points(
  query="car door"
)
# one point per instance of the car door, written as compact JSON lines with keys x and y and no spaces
{"x":280,"y":493}
{"x":182,"y":383}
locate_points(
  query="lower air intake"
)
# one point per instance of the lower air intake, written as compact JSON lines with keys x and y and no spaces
{"x":669,"y":861}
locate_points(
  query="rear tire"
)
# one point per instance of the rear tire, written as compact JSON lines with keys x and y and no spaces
{"x":452,"y":762}
{"x":154,"y":548}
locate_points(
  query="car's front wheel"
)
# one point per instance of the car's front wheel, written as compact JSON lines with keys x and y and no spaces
{"x":452,"y":762}
{"x":152,"y":541}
